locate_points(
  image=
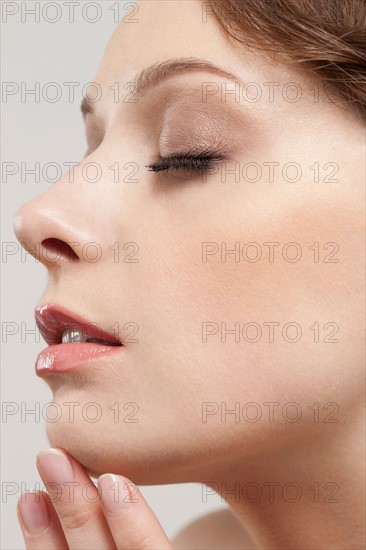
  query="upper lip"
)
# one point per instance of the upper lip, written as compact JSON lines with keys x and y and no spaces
{"x":52,"y":320}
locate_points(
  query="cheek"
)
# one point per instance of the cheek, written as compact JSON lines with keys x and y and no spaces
{"x":275,"y":328}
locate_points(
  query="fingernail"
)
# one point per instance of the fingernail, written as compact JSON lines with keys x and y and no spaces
{"x":54,"y":466}
{"x":116,"y":492}
{"x":34,"y":512}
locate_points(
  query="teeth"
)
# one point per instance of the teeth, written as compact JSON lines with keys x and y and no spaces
{"x":71,"y":335}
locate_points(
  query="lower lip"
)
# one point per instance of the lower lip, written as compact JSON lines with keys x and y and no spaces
{"x":64,"y":357}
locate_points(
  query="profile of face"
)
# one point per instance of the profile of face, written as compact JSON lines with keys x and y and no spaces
{"x":235,"y":286}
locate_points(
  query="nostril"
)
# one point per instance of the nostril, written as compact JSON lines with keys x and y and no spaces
{"x":56,"y":249}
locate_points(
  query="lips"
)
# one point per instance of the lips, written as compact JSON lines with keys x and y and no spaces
{"x":52,"y":321}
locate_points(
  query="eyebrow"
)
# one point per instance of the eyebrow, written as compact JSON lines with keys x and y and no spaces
{"x":158,"y":72}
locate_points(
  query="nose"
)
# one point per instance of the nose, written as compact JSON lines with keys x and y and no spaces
{"x":52,"y":228}
{"x":43,"y":234}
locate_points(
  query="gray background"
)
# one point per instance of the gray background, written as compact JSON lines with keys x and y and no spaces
{"x":47,"y":132}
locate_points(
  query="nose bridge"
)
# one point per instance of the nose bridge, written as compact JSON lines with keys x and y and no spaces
{"x":54,"y":225}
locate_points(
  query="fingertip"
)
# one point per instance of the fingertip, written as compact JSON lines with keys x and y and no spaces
{"x":116,"y":492}
{"x":32,"y":510}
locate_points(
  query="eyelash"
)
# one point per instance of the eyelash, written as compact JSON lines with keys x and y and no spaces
{"x":189,"y":162}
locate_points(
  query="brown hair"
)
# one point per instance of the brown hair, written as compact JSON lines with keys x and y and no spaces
{"x":328,"y":36}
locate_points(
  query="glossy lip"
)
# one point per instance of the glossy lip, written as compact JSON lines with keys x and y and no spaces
{"x":65,"y":357}
{"x":52,"y":320}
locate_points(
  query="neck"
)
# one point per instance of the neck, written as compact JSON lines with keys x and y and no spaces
{"x":308,"y":496}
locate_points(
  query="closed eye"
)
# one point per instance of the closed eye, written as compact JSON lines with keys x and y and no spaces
{"x":187,"y":162}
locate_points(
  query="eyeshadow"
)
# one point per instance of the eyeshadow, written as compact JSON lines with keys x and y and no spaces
{"x":183,"y":119}
{"x":190,"y":125}
{"x":174,"y":118}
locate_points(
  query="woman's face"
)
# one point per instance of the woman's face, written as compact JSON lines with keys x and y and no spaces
{"x":241,"y":284}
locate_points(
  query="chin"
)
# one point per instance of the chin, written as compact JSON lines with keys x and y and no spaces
{"x":145,"y":458}
{"x":100,"y":451}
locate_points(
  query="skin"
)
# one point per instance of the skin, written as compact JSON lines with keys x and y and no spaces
{"x":170,"y":373}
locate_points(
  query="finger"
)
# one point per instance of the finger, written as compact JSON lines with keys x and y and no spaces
{"x":39,"y":523}
{"x":76,"y":501}
{"x":132,"y":522}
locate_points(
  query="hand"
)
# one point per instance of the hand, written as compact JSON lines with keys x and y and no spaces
{"x":76,"y":515}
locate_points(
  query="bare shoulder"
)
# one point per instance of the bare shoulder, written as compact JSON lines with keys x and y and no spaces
{"x":216,"y":531}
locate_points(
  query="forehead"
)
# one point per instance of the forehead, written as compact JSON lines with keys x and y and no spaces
{"x":163,"y":29}
{"x":159,"y":31}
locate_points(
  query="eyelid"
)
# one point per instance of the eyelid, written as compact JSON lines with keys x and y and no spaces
{"x":187,"y":162}
{"x":217,"y":146}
